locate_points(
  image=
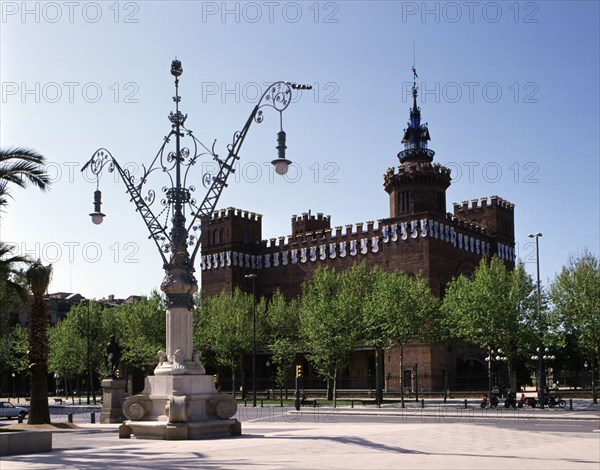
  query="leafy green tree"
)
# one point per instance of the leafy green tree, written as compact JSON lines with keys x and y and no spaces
{"x":575,"y":296}
{"x":140,"y":329}
{"x":224,"y":327}
{"x":401,"y":309}
{"x":67,"y":355}
{"x":329,"y":325}
{"x":283,"y":334}
{"x":38,"y":278}
{"x":495,"y":310}
{"x":13,"y":349}
{"x":10,"y":306}
{"x":77,"y":339}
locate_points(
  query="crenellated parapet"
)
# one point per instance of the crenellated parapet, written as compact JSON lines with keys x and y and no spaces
{"x":482,"y":203}
{"x":416,"y":171}
{"x":306,"y":217}
{"x":495,"y":213}
{"x":362,"y":239}
{"x":308,"y":222}
{"x":223,"y":214}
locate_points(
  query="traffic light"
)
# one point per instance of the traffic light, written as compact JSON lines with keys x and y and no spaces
{"x":298,"y":371}
{"x":216,"y":378}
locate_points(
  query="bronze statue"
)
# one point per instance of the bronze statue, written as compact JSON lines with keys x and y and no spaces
{"x":113,"y":356}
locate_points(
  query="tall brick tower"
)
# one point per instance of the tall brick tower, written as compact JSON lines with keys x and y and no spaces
{"x":419,"y":187}
{"x":231,"y":231}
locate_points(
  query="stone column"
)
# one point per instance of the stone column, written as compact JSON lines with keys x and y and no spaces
{"x":113,"y":397}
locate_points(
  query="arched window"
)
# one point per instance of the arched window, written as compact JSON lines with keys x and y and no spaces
{"x":217,"y":237}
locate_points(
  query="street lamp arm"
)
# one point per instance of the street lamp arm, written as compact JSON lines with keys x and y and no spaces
{"x":100,"y":159}
{"x":216,"y":184}
{"x":277,"y":96}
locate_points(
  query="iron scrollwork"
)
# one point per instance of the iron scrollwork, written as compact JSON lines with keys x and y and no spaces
{"x":188,"y":216}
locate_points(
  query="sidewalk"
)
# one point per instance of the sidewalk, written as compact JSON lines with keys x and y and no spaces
{"x":317,"y":442}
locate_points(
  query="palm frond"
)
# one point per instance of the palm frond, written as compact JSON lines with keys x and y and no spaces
{"x":8,"y":261}
{"x":21,"y":166}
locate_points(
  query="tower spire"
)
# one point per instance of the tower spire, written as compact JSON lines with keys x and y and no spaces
{"x":416,"y":135}
{"x":415,"y":112}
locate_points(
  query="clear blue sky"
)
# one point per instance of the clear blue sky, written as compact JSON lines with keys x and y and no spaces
{"x":510,"y":91}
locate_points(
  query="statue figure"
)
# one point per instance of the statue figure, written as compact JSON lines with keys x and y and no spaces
{"x":113,"y":356}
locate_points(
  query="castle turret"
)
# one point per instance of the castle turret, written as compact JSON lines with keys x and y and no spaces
{"x":309,"y":223}
{"x":419,"y":186}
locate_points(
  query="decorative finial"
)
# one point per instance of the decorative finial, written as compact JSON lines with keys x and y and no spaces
{"x":415,"y":76}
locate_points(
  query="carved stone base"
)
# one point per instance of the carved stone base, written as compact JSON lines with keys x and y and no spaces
{"x":180,"y":431}
{"x":179,"y":407}
{"x":113,"y":397}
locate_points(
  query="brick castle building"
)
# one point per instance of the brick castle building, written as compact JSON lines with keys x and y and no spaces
{"x":418,"y":237}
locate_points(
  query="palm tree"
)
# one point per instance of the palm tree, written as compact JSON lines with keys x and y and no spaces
{"x":8,"y":269}
{"x":38,"y":277}
{"x":20,"y":167}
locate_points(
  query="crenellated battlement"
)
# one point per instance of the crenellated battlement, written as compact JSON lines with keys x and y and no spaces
{"x":307,"y":216}
{"x":329,"y":235}
{"x":482,"y":203}
{"x":357,"y":240}
{"x":416,"y":168}
{"x":233,"y":212}
{"x":307,"y":223}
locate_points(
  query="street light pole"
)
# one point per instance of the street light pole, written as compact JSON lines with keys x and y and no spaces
{"x":492,"y":370}
{"x":89,"y":372}
{"x":176,"y":227}
{"x":540,"y":355}
{"x":253,"y":277}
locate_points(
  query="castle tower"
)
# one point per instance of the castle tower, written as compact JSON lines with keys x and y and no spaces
{"x":230,"y":230}
{"x":419,"y":187}
{"x":309,"y":223}
{"x":497,"y":215}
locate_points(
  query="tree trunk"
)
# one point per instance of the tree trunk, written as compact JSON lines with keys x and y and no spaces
{"x":402,"y":375}
{"x":378,"y":375}
{"x":39,"y":412}
{"x":594,"y":395}
{"x":330,"y":386}
{"x":233,"y":379}
{"x":243,"y":375}
{"x":334,"y":387}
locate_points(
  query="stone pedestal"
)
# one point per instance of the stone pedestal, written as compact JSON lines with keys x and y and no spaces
{"x":176,"y":407}
{"x":113,"y":397}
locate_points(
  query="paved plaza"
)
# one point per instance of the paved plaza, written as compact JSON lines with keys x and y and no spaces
{"x":387,"y":438}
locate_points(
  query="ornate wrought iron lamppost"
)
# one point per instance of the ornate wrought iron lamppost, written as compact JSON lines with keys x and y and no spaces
{"x":542,"y":355}
{"x":492,"y":358}
{"x":189,"y":218}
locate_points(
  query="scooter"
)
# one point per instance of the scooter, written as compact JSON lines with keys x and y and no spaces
{"x":485,"y":401}
{"x":510,"y":401}
{"x":555,"y":401}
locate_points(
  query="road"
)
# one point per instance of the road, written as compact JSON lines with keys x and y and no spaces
{"x":276,"y":438}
